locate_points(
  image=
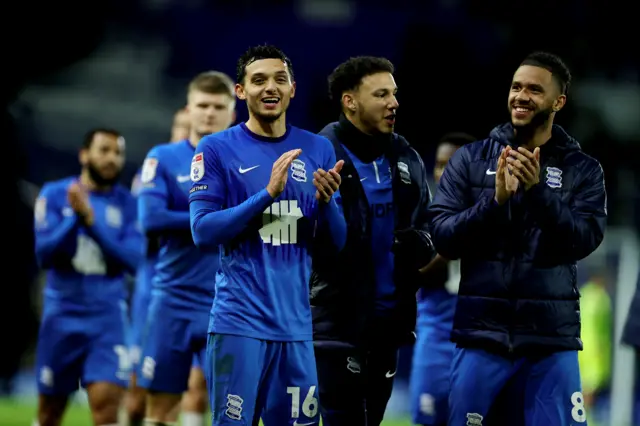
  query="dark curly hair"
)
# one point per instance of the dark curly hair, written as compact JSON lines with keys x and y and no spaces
{"x":554,"y":65}
{"x":256,"y":53}
{"x":349,"y":74}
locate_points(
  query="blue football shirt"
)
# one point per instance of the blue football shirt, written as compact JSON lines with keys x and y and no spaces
{"x":146,"y":268}
{"x":184,"y":274}
{"x":86,"y":265}
{"x":263,"y":289}
{"x":377,"y":181}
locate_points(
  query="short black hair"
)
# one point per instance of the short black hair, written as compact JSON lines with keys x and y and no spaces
{"x":256,"y":53}
{"x":349,"y":74}
{"x":91,"y":134}
{"x":457,"y":138}
{"x":554,"y":65}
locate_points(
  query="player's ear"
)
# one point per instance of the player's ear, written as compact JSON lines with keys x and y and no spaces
{"x":293,"y":89}
{"x":559,"y":103}
{"x":83,"y":157}
{"x":348,"y":102}
{"x":240,"y":92}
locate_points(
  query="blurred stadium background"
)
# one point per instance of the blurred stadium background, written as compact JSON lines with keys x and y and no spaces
{"x":74,"y":65}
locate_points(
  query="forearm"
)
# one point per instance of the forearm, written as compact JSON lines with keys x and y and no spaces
{"x":333,"y":222}
{"x":127,"y":251}
{"x":61,"y":239}
{"x":212,"y":226}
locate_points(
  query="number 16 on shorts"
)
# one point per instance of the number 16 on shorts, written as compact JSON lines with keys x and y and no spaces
{"x":309,"y":404}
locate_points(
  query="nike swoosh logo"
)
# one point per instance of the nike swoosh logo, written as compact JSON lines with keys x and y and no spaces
{"x":183,"y":179}
{"x":243,"y":171}
{"x":491,"y":172}
{"x":362,"y":179}
{"x":390,"y":374}
{"x":303,"y":424}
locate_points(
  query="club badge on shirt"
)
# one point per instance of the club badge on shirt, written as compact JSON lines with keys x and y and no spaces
{"x":197,"y":167}
{"x":554,"y":177}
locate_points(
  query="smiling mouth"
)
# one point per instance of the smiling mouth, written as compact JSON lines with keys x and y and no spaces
{"x":270,"y":101}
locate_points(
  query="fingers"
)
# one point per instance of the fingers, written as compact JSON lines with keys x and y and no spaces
{"x":282,"y":164}
{"x":327,"y":180}
{"x":522,"y":161}
{"x":338,"y":167}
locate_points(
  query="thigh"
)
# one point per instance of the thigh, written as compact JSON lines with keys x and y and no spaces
{"x":291,"y":387}
{"x":235,"y":372}
{"x":107,"y":357}
{"x":341,"y":379}
{"x":476,"y":378}
{"x":381,"y":370}
{"x":553,"y":392}
{"x":60,"y":355}
{"x":429,"y":382}
{"x":166,"y":353}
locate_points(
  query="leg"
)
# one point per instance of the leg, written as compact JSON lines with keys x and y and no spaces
{"x":292,"y":388}
{"x":59,"y":357}
{"x":380,"y":372}
{"x":235,"y":369}
{"x":553,"y":393}
{"x":429,"y":385}
{"x":107,"y":367}
{"x":136,"y":402}
{"x":194,"y":400}
{"x":341,"y":379}
{"x":166,"y":360}
{"x":476,"y":379}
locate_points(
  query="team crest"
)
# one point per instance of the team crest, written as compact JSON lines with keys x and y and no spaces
{"x":405,"y":175}
{"x":298,"y":171}
{"x":149,"y":168}
{"x":197,"y":167}
{"x":554,"y":177}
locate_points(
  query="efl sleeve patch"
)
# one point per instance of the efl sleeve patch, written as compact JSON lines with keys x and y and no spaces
{"x":149,"y":170}
{"x":197,"y":167}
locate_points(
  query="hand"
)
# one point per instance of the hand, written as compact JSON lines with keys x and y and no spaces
{"x":525,"y":165}
{"x":327,"y":183}
{"x":506,"y":184}
{"x":280,"y":172}
{"x":79,"y":201}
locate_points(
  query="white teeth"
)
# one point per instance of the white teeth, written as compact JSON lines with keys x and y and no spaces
{"x":519,"y":109}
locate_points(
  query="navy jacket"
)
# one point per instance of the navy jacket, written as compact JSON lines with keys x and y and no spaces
{"x":518,"y":292}
{"x":343,"y":284}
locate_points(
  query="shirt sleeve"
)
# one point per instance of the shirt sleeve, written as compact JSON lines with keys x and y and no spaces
{"x":55,"y":232}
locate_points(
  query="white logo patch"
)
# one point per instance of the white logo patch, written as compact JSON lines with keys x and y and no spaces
{"x":405,"y":176}
{"x":554,"y":177}
{"x":280,"y":223}
{"x":183,"y":178}
{"x":474,"y":419}
{"x":40,"y":211}
{"x":234,"y":407}
{"x":197,"y":167}
{"x":298,"y":171}
{"x":149,"y":168}
{"x":113,"y":216}
{"x":353,"y":365}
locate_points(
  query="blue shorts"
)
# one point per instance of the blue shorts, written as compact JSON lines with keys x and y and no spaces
{"x":429,"y":384}
{"x":171,"y":340}
{"x":550,"y":387}
{"x":249,"y":378}
{"x":77,"y":347}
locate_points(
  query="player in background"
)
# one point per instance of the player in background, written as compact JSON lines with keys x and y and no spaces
{"x":184,"y":280}
{"x":433,"y":350}
{"x":519,"y":209}
{"x":364,"y":298}
{"x":86,"y":239}
{"x":263,"y":190}
{"x":195,"y":399}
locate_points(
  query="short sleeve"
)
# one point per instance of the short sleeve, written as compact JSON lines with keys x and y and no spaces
{"x":207,"y":174}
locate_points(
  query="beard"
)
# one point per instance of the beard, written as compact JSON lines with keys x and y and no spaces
{"x":539,"y":119}
{"x":99,"y":179}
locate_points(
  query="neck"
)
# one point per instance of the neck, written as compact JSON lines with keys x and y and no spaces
{"x":194,"y":138}
{"x":87,"y":182}
{"x":269,"y":129}
{"x":534,"y":137}
{"x":358,"y":124}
